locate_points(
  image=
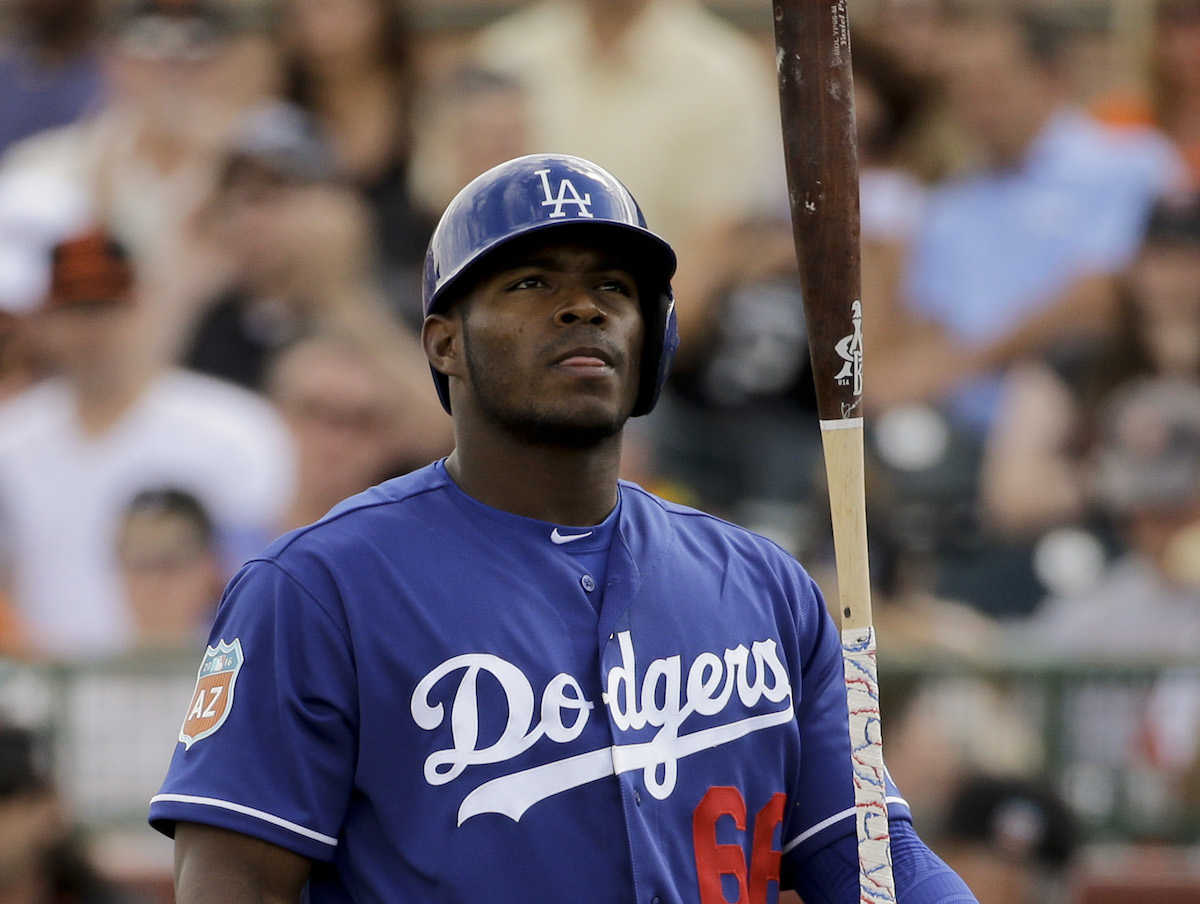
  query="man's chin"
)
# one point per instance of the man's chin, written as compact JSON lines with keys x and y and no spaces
{"x":572,"y":435}
{"x":577,"y":430}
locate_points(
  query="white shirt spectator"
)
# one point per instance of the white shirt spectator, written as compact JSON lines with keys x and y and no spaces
{"x":1133,"y":614}
{"x":62,"y":494}
{"x":683,"y":107}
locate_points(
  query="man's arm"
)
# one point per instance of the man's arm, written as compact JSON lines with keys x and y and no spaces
{"x":831,"y":875}
{"x":216,"y":866}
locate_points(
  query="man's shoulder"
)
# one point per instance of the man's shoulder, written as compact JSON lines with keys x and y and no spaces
{"x":178,"y":387}
{"x":43,"y":409}
{"x":697,"y":526}
{"x":400,"y":508}
{"x":1078,"y":131}
{"x":213,"y":414}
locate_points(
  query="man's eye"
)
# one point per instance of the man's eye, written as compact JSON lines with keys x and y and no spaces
{"x":616,"y":285}
{"x":527,"y":282}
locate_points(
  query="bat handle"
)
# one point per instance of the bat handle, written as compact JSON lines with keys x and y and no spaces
{"x":845,"y":470}
{"x":844,"y":462}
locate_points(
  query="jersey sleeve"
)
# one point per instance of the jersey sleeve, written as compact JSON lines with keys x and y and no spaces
{"x":823,"y":792}
{"x":831,"y":876}
{"x":267,"y":747}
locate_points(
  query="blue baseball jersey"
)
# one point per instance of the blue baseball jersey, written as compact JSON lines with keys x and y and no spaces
{"x":438,"y":701}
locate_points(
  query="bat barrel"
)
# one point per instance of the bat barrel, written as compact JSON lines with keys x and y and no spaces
{"x":816,"y":91}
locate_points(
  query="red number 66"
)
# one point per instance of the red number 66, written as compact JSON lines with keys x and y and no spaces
{"x":715,"y":860}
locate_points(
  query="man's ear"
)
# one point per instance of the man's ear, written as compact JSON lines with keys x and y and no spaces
{"x":441,"y":336}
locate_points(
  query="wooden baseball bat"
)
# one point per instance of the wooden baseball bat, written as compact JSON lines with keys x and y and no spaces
{"x":816,"y":93}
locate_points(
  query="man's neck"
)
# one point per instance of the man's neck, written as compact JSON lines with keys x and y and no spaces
{"x":1034,"y":128}
{"x":611,"y":21}
{"x":549,"y":483}
{"x":101,"y":403}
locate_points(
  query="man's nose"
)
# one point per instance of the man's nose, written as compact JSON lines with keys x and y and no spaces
{"x":580,"y":305}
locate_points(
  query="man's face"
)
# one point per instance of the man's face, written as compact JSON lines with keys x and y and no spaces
{"x":171,"y":574}
{"x":85,"y":338}
{"x":334,"y":32}
{"x":338,"y":418}
{"x":253,"y":215}
{"x":1166,"y":283}
{"x":552,"y":345}
{"x":997,"y":91}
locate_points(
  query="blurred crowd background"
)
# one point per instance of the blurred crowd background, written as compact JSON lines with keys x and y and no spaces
{"x":213,"y":215}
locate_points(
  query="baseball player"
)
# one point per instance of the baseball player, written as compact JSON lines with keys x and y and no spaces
{"x":509,"y":676}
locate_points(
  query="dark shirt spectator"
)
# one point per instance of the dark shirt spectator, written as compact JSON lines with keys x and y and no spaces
{"x":1012,"y":839}
{"x":41,"y":858}
{"x":350,"y":65}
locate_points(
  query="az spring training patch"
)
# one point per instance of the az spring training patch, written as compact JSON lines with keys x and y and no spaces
{"x":213,"y":697}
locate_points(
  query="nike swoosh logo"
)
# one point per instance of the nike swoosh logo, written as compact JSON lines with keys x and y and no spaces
{"x":559,"y":539}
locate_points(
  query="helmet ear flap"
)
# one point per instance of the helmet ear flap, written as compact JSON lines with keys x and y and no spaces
{"x":662,"y":341}
{"x":441,"y":383}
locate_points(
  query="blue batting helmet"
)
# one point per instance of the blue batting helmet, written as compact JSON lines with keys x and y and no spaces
{"x":536,"y":194}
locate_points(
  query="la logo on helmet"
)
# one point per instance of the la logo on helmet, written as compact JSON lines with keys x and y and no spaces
{"x":567,"y":194}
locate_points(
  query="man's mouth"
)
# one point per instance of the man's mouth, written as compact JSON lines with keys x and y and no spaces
{"x":588,"y":360}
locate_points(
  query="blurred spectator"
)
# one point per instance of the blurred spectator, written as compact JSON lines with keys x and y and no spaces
{"x":915,"y":622}
{"x":1176,"y":77}
{"x":291,"y":238}
{"x":915,"y":31}
{"x":473,"y":120}
{"x":1133,"y":745}
{"x":1173,"y":104}
{"x":41,"y":861}
{"x":737,"y":424}
{"x":915,"y":35}
{"x":1022,"y":252}
{"x":16,"y":368}
{"x":299,"y":247}
{"x":183,"y":70}
{"x":1034,"y":470}
{"x":334,"y":402}
{"x":890,"y":101}
{"x":1012,"y":840}
{"x":1099,"y":52}
{"x":943,"y":726}
{"x":667,"y":94}
{"x":179,"y":71}
{"x":350,"y":65}
{"x":170,"y":567}
{"x":74,"y":448}
{"x":1147,"y":606}
{"x":50,"y":69}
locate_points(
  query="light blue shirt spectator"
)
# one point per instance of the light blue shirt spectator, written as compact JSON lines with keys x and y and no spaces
{"x":998,"y":246}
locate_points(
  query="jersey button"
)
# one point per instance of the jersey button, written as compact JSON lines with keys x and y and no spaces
{"x":637,"y":797}
{"x":588,"y":582}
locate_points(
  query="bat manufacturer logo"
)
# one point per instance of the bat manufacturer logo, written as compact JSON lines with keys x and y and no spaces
{"x":213,"y":697}
{"x":850,"y":350}
{"x":567,"y":194}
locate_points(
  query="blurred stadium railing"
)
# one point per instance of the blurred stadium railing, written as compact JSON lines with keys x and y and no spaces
{"x":1100,"y":727}
{"x":111,"y":727}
